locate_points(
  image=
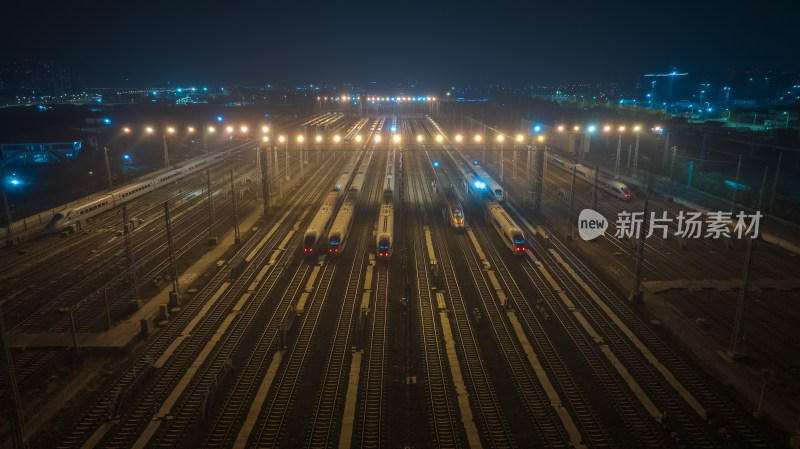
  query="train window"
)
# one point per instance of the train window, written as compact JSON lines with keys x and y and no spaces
{"x":518,"y":240}
{"x":309,"y":242}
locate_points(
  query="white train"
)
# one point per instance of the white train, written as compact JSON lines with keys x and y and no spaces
{"x":493,"y":188}
{"x":453,"y":212}
{"x":388,"y":183}
{"x":337,"y":237}
{"x":509,"y":232}
{"x":340,"y":229}
{"x":385,"y":230}
{"x":74,"y":218}
{"x":318,"y":229}
{"x":615,"y":188}
{"x":346,"y":175}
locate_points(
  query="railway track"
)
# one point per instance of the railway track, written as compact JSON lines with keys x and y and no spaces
{"x":722,"y":409}
{"x":322,"y":429}
{"x":126,"y":387}
{"x":271,"y":423}
{"x":371,"y":418}
{"x":488,"y":412}
{"x":592,"y":429}
{"x":99,"y":268}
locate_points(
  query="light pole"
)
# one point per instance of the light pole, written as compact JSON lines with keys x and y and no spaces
{"x":108,"y":169}
{"x":514,"y":164}
{"x":500,"y":139}
{"x":206,"y":132}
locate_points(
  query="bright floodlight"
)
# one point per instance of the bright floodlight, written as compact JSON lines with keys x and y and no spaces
{"x":540,"y":138}
{"x":191,"y":129}
{"x":299,"y":138}
{"x":636,"y":128}
{"x":396,"y":138}
{"x":126,"y":130}
{"x":621,"y":128}
{"x":266,"y":139}
{"x":282,"y":139}
{"x":358,"y":138}
{"x":265,"y":129}
{"x":561,"y":128}
{"x":458,"y":138}
{"x":419,"y":138}
{"x":606,"y":128}
{"x":211,"y":129}
{"x":170,"y":130}
{"x":336,"y":138}
{"x":438,"y":138}
{"x":499,"y":137}
{"x":244,"y":129}
{"x":519,"y":137}
{"x":319,"y":138}
{"x":577,"y":128}
{"x":592,"y":128}
{"x":230,"y":129}
{"x":377,"y":139}
{"x":477,"y":138}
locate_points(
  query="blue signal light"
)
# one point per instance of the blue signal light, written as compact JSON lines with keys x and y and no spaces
{"x":475,"y":162}
{"x":14,"y":181}
{"x":127,"y":157}
{"x":480,"y":184}
{"x":107,"y":121}
{"x":219,"y":118}
{"x":435,"y":163}
{"x":537,"y":128}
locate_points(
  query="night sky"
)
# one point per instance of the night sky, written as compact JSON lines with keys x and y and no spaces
{"x":114,"y":43}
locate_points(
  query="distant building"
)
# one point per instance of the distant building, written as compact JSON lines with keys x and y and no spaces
{"x":54,"y":146}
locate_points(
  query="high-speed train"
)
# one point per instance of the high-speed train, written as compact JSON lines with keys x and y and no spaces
{"x":509,"y":232}
{"x":74,"y":218}
{"x":384,"y":234}
{"x":337,"y":237}
{"x":615,"y":188}
{"x":385,"y":231}
{"x":484,"y":181}
{"x":346,"y":175}
{"x":340,"y":229}
{"x":453,"y":212}
{"x":318,"y":228}
{"x":388,"y":183}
